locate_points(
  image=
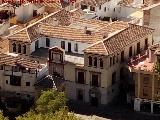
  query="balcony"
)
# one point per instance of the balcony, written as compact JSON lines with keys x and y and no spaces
{"x":138,"y":58}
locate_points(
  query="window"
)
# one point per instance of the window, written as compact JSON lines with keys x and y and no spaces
{"x":47,"y":42}
{"x":113,"y":60}
{"x":145,"y":93}
{"x":114,"y":9}
{"x":15,"y":80}
{"x":36,"y":44}
{"x":101,"y":63}
{"x":146,"y":79}
{"x":117,"y":58}
{"x":1,"y":67}
{"x":146,"y":44}
{"x":95,"y":62}
{"x":122,"y":56}
{"x":92,"y":8}
{"x":69,"y":47}
{"x":76,"y":47}
{"x":83,"y":7}
{"x":24,"y":49}
{"x":94,"y":80}
{"x":80,"y":95}
{"x":138,"y":48}
{"x":56,"y":57}
{"x":27,"y":83}
{"x":14,"y":47}
{"x":105,"y":9}
{"x":6,"y":81}
{"x":81,"y":77}
{"x":113,"y":78}
{"x":100,"y":7}
{"x":63,"y":44}
{"x":15,"y":69}
{"x":110,"y":61}
{"x":19,"y":48}
{"x":130,"y":51}
{"x":90,"y":60}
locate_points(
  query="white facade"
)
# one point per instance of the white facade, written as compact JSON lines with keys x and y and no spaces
{"x":4,"y":27}
{"x":57,"y":42}
{"x":113,"y":10}
{"x":25,"y":11}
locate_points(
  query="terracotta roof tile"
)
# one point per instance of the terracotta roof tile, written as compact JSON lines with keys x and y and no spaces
{"x":125,"y":37}
{"x":93,"y":2}
{"x":118,"y":41}
{"x":69,"y":33}
{"x":11,"y":60}
{"x":97,"y":48}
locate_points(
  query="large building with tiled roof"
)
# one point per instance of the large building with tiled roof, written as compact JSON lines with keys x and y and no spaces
{"x":92,"y":50}
{"x":95,"y":74}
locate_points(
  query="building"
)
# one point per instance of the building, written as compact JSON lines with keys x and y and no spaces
{"x":151,"y":19}
{"x":145,"y":72}
{"x":95,"y":74}
{"x":86,"y":48}
{"x":19,"y":75}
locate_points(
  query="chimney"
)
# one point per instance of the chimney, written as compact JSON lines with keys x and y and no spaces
{"x":152,"y":56}
{"x":86,"y":31}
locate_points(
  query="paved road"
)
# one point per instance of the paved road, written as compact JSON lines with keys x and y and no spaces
{"x":111,"y":112}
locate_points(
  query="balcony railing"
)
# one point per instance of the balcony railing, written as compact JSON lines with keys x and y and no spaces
{"x":138,"y":58}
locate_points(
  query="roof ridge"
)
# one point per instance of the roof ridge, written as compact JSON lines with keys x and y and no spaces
{"x":17,"y":32}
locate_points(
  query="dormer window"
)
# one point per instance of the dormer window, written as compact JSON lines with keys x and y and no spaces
{"x":90,"y":60}
{"x":95,"y":62}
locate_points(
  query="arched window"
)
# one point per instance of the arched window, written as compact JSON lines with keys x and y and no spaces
{"x":19,"y":48}
{"x":14,"y":47}
{"x":24,"y":49}
{"x":101,"y":62}
{"x":90,"y":60}
{"x":95,"y":61}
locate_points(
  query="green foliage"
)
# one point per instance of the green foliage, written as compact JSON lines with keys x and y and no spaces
{"x":51,"y":105}
{"x":157,"y":67}
{"x":2,"y":117}
{"x":50,"y":101}
{"x":62,"y":114}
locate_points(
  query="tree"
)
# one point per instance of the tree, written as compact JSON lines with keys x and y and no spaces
{"x":62,"y":114}
{"x":50,"y":101}
{"x":51,"y":105}
{"x":2,"y":117}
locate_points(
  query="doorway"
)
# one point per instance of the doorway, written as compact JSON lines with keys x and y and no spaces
{"x":94,"y":101}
